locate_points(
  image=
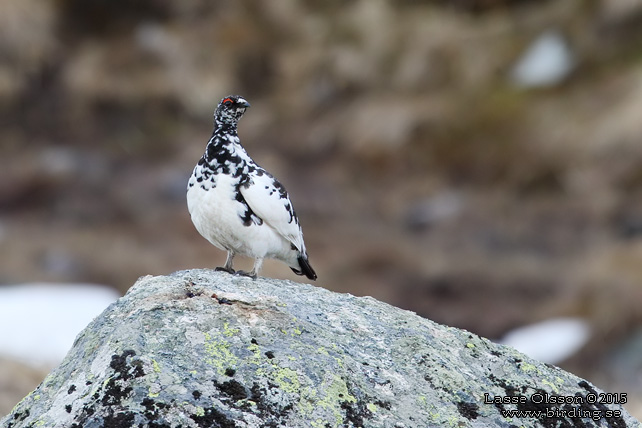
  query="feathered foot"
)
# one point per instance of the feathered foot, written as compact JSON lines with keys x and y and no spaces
{"x":255,"y":270}
{"x":228,"y":264}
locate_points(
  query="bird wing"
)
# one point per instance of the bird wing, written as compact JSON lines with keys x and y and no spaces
{"x":270,"y":201}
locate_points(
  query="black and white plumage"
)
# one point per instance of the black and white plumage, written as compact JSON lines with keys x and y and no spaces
{"x":240,"y":207}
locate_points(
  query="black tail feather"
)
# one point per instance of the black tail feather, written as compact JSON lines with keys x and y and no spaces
{"x":306,"y":269}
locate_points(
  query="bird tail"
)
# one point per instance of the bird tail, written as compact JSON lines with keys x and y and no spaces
{"x":306,"y":269}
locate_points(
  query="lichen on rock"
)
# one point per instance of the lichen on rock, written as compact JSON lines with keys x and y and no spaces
{"x":207,"y":349}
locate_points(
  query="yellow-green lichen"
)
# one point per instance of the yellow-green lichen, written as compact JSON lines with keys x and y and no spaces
{"x":307,"y":401}
{"x":336,"y":393}
{"x":256,"y":354}
{"x":372,"y":407}
{"x":154,"y":390}
{"x":97,"y":387}
{"x":527,"y":367}
{"x":453,"y":421}
{"x":229,"y":332}
{"x":339,"y":362}
{"x":296,"y":329}
{"x":551,"y":384}
{"x":156,"y":366}
{"x":319,"y":423}
{"x":219,"y":353}
{"x":329,"y":396}
{"x":199,"y":411}
{"x":444,"y":416}
{"x":246,"y":402}
{"x":470,"y":345}
{"x":15,"y":408}
{"x":287,"y":379}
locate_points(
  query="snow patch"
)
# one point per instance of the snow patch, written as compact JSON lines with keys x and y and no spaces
{"x":546,"y":62}
{"x":39,"y":322}
{"x":550,"y":341}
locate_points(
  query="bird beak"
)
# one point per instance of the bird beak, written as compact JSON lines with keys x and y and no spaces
{"x":242,"y":103}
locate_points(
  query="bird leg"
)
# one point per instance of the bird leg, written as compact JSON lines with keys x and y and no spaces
{"x":255,"y":270}
{"x":228,"y":263}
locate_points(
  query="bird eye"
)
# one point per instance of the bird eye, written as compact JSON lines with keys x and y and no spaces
{"x":227,"y":102}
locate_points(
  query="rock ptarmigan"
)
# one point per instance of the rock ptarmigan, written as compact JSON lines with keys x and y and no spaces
{"x":240,"y":207}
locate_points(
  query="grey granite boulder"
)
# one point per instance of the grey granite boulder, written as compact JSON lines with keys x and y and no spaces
{"x":206,"y":349}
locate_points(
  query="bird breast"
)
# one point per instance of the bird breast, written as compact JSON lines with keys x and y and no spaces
{"x":222,"y":219}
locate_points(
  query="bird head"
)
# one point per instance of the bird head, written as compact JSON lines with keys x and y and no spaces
{"x":230,"y":110}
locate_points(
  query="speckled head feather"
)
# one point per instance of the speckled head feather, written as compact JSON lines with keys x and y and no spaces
{"x":230,"y":110}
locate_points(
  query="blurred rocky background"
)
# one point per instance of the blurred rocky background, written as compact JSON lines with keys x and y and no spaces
{"x":476,"y":161}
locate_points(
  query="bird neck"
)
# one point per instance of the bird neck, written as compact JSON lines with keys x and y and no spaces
{"x":223,"y":145}
{"x":224,"y":128}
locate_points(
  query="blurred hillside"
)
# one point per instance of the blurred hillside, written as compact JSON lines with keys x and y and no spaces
{"x":424,"y":171}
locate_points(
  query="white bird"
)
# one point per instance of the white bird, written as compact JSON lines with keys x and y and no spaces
{"x":240,"y":207}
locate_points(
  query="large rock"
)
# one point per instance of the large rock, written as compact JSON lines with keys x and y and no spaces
{"x":205,"y":349}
